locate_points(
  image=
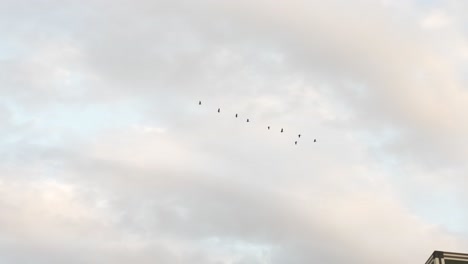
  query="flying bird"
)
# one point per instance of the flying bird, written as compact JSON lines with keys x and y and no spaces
{"x":295,"y":142}
{"x":236,"y":115}
{"x":199,"y":102}
{"x":315,"y":140}
{"x":299,"y":135}
{"x":268,"y":127}
{"x":247,"y":120}
{"x":219,"y":110}
{"x":281,"y":130}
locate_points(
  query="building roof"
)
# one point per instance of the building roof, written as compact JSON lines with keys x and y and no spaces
{"x":444,"y":257}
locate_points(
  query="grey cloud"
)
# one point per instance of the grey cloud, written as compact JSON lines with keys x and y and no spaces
{"x":382,"y":57}
{"x":179,"y":183}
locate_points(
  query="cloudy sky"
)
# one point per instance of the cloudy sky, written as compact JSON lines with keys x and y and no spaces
{"x":106,"y":156}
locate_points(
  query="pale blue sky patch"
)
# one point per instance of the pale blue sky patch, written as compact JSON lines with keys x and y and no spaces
{"x":238,"y":251}
{"x":8,"y":50}
{"x":58,"y":123}
{"x":89,"y":119}
{"x":441,"y":207}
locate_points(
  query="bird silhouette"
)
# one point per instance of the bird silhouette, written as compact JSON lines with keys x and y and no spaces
{"x":248,"y":120}
{"x":315,"y":140}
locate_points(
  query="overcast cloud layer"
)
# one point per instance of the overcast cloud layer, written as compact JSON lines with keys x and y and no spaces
{"x":106,"y":156}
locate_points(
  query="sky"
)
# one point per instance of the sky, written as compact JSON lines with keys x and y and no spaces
{"x":106,"y":156}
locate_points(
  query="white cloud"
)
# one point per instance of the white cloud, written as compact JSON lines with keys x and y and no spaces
{"x":436,"y":20}
{"x":107,"y":157}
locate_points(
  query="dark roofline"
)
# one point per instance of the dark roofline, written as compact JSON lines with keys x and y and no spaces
{"x":446,"y":254}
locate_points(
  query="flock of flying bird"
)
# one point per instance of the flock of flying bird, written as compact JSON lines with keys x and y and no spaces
{"x":282,"y":130}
